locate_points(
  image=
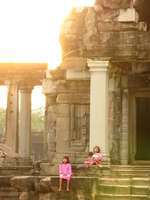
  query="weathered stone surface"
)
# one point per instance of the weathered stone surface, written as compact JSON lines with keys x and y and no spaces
{"x":128,"y":15}
{"x":74,"y":63}
{"x":27,"y":196}
{"x":63,"y":110}
{"x":12,"y":116}
{"x":90,"y":37}
{"x":77,"y":75}
{"x":73,"y":98}
{"x":117,"y":26}
{"x":71,"y":86}
{"x":23,"y":183}
{"x":94,"y":42}
{"x":111,"y":4}
{"x":73,"y":28}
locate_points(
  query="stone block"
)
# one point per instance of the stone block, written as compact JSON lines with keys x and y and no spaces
{"x":48,"y":86}
{"x":73,"y":98}
{"x":23,"y":183}
{"x":73,"y":86}
{"x":77,"y":75}
{"x":48,"y":169}
{"x":74,"y":63}
{"x":121,"y":26}
{"x":128,"y":15}
{"x":63,"y":110}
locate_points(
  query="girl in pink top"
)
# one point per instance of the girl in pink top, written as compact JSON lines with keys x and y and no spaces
{"x":65,"y":172}
{"x":90,"y":159}
{"x":97,"y":156}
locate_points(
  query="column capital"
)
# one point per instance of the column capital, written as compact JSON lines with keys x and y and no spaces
{"x":98,"y":65}
{"x":10,"y":82}
{"x":26,"y":88}
{"x":49,"y":87}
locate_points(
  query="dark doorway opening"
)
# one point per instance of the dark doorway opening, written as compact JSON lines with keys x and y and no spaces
{"x":142,"y":128}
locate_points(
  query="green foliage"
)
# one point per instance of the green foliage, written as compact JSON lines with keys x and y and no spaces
{"x":2,"y":121}
{"x":37,"y":120}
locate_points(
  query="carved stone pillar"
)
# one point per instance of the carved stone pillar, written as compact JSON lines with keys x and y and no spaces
{"x":49,"y":89}
{"x":99,"y":106}
{"x":12,"y":116}
{"x":50,"y":124}
{"x":25,"y":122}
{"x":124,"y":133}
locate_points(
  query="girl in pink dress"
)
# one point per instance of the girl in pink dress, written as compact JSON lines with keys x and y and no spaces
{"x":65,"y":172}
{"x":90,"y":159}
{"x":97,"y":156}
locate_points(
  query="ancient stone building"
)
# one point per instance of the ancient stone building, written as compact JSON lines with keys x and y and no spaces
{"x":99,"y":95}
{"x":20,"y":78}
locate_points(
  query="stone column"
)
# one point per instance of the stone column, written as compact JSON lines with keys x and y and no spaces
{"x":99,"y":106}
{"x":50,"y":127}
{"x":49,"y":89}
{"x":25,"y":122}
{"x":124,"y":133}
{"x":12,"y":116}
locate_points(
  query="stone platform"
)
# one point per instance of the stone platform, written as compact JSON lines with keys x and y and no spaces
{"x":93,"y":183}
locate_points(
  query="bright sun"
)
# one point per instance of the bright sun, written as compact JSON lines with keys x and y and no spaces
{"x":30,"y":33}
{"x":30,"y":29}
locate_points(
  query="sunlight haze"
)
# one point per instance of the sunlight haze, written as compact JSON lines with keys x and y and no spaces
{"x":30,"y":33}
{"x":30,"y":29}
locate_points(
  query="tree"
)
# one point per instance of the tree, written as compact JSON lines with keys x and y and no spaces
{"x":37,"y":120}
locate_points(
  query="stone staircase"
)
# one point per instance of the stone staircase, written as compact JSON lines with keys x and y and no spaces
{"x":93,"y":183}
{"x":126,"y":183}
{"x":10,"y":167}
{"x":6,"y":191}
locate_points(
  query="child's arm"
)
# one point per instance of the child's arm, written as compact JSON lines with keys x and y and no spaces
{"x":69,"y":170}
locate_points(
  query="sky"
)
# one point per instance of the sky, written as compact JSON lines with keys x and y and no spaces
{"x":30,"y":29}
{"x":29,"y":33}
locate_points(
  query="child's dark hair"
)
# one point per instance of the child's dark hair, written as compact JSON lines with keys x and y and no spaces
{"x":97,"y":148}
{"x":67,"y":158}
{"x":90,"y":153}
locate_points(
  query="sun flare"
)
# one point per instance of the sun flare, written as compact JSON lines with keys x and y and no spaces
{"x":30,"y":33}
{"x":30,"y":29}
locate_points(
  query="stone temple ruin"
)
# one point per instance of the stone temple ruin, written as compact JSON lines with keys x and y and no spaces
{"x":99,"y":95}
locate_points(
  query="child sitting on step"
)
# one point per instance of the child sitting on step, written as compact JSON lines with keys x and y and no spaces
{"x":65,"y":173}
{"x":90,"y":159}
{"x":97,"y":156}
{"x":94,"y":158}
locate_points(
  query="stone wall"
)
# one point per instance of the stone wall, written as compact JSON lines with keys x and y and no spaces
{"x":67,"y":119}
{"x":110,"y":29}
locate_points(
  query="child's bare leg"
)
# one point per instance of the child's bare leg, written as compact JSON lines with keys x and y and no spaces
{"x":60,"y":184}
{"x":68,"y":185}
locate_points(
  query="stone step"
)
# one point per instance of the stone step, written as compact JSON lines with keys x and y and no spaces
{"x":126,"y":174}
{"x":115,"y":189}
{"x":139,"y":190}
{"x":130,"y":171}
{"x":124,"y":189}
{"x":115,"y":181}
{"x":140,"y":181}
{"x":77,"y":170}
{"x":122,"y":197}
{"x":8,"y":193}
{"x":17,"y":170}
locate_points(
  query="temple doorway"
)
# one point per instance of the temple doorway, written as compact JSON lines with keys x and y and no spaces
{"x":139,"y":123}
{"x":142,"y":128}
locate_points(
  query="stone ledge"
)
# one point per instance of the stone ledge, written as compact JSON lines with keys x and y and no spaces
{"x":73,"y":98}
